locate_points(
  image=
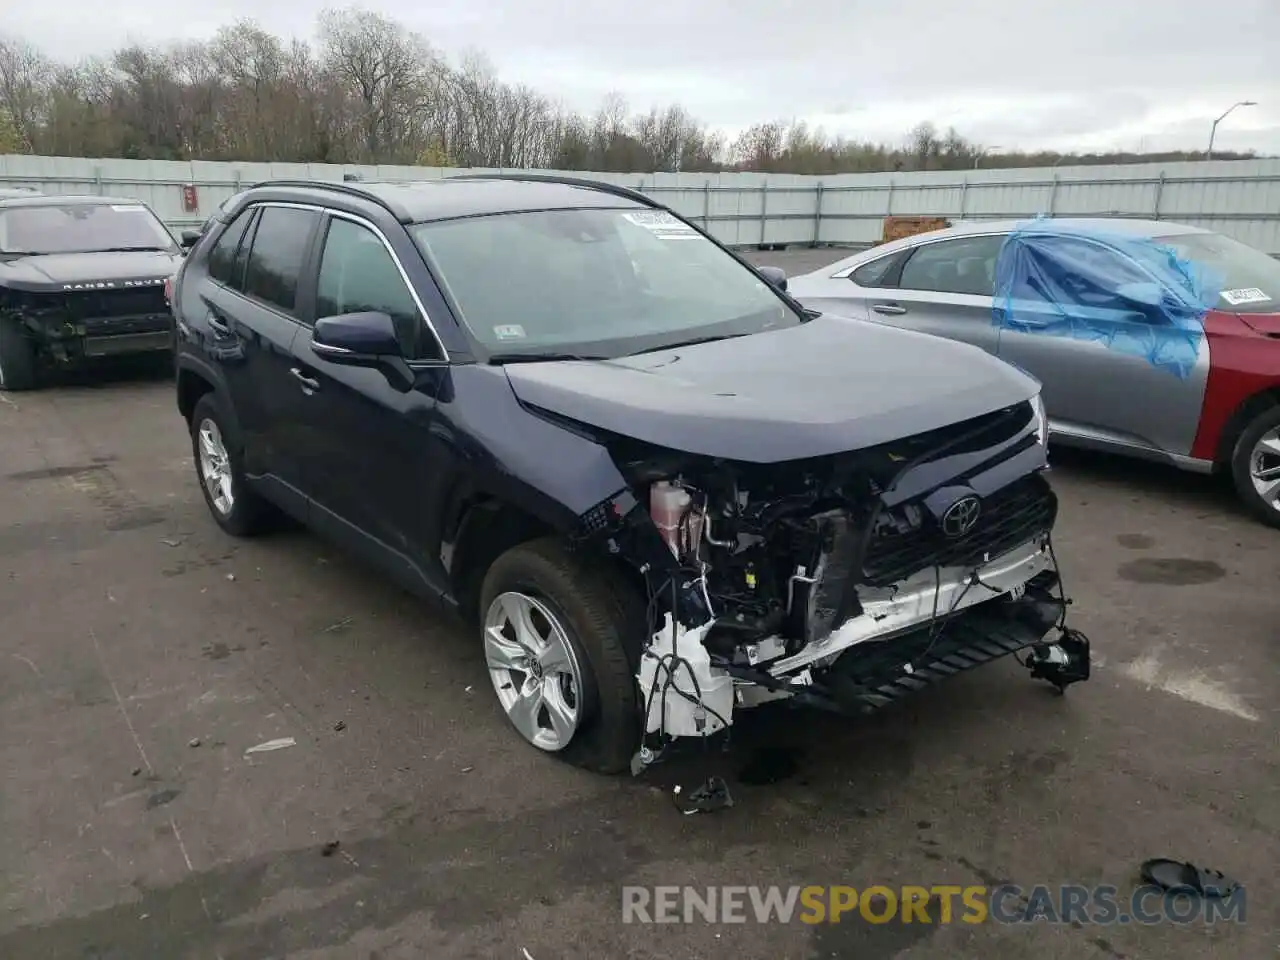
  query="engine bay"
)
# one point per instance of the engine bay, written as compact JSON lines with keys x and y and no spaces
{"x":761,"y":579}
{"x":769,"y":563}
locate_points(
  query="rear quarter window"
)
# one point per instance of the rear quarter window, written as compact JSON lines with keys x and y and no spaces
{"x":875,"y":273}
{"x":222,"y":257}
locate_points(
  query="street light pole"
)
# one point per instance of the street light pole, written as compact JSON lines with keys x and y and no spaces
{"x":983,"y":153}
{"x":1213,"y":132}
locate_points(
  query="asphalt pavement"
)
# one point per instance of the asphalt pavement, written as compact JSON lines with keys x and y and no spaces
{"x":391,"y":814}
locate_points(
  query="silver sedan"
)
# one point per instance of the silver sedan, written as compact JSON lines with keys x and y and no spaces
{"x":1211,"y":404}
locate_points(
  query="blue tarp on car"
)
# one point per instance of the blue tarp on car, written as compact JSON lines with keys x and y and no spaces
{"x":1130,"y":293}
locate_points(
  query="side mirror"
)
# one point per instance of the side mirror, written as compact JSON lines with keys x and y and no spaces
{"x":775,"y":275}
{"x":357,"y":339}
{"x":189,"y":239}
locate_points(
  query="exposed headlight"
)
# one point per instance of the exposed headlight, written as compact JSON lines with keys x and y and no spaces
{"x":1041,"y":419}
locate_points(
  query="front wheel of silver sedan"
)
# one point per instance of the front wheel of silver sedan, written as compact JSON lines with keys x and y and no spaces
{"x":1255,"y":466}
{"x":561,"y":637}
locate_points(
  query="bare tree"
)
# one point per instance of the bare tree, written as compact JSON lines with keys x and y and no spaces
{"x":386,"y":67}
{"x":25,"y":74}
{"x":371,"y":91}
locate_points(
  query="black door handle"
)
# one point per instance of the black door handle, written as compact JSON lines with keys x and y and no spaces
{"x":309,"y":384}
{"x":218,"y":325}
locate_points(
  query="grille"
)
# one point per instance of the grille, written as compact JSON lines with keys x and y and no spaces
{"x":1011,"y":516}
{"x":105,"y":304}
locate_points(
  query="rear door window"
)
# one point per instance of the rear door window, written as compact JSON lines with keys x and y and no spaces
{"x":280,"y":245}
{"x":965,"y":265}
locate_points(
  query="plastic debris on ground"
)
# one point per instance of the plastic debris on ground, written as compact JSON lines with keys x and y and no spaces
{"x":1132,"y":294}
{"x":271,"y":745}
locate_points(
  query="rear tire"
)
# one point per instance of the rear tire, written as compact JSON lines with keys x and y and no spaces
{"x":1255,"y":466}
{"x":18,"y":369}
{"x":601,"y":617}
{"x":217,"y":452}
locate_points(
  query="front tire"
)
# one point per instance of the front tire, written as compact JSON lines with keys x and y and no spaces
{"x":235,"y":507}
{"x":562,"y":638}
{"x":1255,"y":466}
{"x":18,"y":370}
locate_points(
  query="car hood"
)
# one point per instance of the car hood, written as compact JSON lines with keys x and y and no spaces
{"x":88,"y":271}
{"x":823,"y":387}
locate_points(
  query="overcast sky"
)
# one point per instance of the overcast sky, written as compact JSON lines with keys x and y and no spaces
{"x":1034,"y":74}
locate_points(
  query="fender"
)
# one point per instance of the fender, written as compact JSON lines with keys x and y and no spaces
{"x":1243,"y":367}
{"x":551,"y":473}
{"x":191,"y":365}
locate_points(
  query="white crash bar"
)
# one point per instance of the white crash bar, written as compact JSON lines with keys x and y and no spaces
{"x":911,"y":602}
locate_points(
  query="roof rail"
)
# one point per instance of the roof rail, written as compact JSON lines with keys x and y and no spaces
{"x":602,"y":185}
{"x":347,"y":187}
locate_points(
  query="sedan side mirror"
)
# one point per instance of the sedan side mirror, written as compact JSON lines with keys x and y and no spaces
{"x":775,"y":275}
{"x":356,"y":339}
{"x":189,"y":239}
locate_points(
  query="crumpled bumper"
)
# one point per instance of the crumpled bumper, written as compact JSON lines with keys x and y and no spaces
{"x":873,"y":675}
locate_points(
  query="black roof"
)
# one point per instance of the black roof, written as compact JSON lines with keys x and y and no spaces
{"x":419,"y":201}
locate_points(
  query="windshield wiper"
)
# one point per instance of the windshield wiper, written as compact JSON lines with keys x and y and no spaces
{"x":690,"y":343}
{"x":129,"y":250}
{"x":501,"y":358}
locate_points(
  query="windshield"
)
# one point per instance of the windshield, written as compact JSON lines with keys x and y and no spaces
{"x":1250,"y":278}
{"x":599,"y":283}
{"x":81,"y":228}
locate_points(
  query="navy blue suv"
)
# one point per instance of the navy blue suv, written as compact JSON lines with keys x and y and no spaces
{"x":659,"y":488}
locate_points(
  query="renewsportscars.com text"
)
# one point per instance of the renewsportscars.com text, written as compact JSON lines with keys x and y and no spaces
{"x":936,"y":904}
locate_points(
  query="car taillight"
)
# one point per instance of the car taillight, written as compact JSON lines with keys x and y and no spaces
{"x":168,"y":290}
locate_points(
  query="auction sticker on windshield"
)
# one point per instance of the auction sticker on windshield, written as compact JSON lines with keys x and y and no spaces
{"x":1244,"y":295}
{"x":662,"y":225}
{"x":511,"y":331}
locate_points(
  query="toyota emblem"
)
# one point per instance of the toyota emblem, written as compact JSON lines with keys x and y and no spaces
{"x":962,"y":516}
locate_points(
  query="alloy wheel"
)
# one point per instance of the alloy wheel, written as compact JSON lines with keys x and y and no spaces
{"x":1264,"y":468}
{"x":215,"y":467}
{"x":534,"y":670}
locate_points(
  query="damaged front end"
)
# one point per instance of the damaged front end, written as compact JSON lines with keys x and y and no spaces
{"x":70,"y":325}
{"x":842,"y":582}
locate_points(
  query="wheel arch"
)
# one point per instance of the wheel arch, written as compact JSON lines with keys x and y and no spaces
{"x":1239,"y":420}
{"x":481,"y":526}
{"x":195,"y":379}
{"x":192,"y":385}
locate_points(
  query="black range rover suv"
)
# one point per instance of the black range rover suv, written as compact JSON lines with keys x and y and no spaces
{"x":658,"y":488}
{"x":80,"y":278}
